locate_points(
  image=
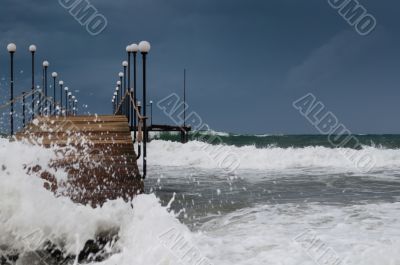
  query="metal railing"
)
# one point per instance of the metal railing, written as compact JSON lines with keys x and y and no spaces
{"x":125,"y":102}
{"x":127,"y":107}
{"x":33,"y":103}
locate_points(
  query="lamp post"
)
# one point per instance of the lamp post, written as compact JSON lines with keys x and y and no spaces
{"x":135,"y":49}
{"x":125,"y":65}
{"x":126,"y":106}
{"x":144,"y":48}
{"x":129,"y":50}
{"x":112,"y":103}
{"x":45,"y":66}
{"x":66,"y":100}
{"x":121,"y":75}
{"x":73,"y":105}
{"x":54,"y":75}
{"x":23,"y":109}
{"x":115,"y":100}
{"x":151,"y":112}
{"x":69,"y":103}
{"x":119,"y":90}
{"x":12,"y":48}
{"x":39,"y":101}
{"x":61,"y":84}
{"x":32,"y":49}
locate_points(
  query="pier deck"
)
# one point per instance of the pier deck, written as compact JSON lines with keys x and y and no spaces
{"x":97,"y":152}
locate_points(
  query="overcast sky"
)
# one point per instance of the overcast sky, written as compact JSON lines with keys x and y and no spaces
{"x":247,"y":61}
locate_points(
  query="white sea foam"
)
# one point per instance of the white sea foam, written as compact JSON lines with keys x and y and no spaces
{"x":204,"y":155}
{"x":293,"y":234}
{"x":29,"y":214}
{"x":264,"y":234}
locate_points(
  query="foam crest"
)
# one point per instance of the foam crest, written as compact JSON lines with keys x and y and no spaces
{"x":204,"y":155}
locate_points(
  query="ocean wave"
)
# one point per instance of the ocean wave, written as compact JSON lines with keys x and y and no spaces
{"x":151,"y":235}
{"x":30,"y":215}
{"x":301,"y":234}
{"x":204,"y":155}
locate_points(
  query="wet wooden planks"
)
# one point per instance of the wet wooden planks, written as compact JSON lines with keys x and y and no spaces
{"x":97,"y":153}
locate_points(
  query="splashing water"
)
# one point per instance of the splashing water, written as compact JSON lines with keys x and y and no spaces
{"x":283,"y":206}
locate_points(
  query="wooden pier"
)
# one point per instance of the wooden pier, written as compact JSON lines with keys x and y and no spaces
{"x":97,"y":152}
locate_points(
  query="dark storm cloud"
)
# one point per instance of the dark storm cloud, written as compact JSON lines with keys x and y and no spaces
{"x":247,"y":60}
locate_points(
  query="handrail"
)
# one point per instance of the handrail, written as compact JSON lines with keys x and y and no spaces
{"x":132,"y":102}
{"x":140,"y":117}
{"x":8,"y":103}
{"x":42,"y":103}
{"x":26,"y":94}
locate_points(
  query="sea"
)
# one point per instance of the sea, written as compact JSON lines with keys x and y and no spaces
{"x":219,"y":199}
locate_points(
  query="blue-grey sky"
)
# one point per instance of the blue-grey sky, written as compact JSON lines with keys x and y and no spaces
{"x":247,"y":61}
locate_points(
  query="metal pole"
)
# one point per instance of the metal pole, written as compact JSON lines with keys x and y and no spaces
{"x":125,"y":101}
{"x":121,"y":88}
{"x":144,"y":54}
{"x":151,"y":113}
{"x":54,"y":94}
{"x":184,"y":97}
{"x":184,"y":106}
{"x":33,"y":84}
{"x":139,"y":107}
{"x":23,"y":109}
{"x":66,"y":102}
{"x":12,"y":94}
{"x":134,"y":96}
{"x":129,"y":88}
{"x":119,"y":98}
{"x":45,"y":88}
{"x":69,"y":105}
{"x":42,"y":94}
{"x":61,"y":98}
